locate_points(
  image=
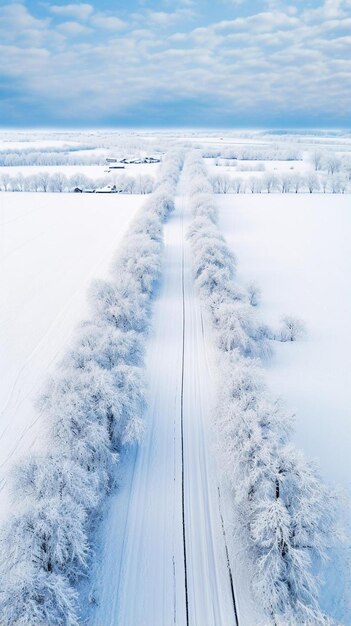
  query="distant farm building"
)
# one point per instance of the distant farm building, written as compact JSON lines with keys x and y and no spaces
{"x":140,"y":160}
{"x":115,"y":165}
{"x":107,"y":189}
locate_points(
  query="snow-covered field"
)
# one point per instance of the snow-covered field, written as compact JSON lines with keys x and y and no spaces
{"x":91,"y":171}
{"x":297,"y":250}
{"x":246,"y":168}
{"x":52,"y":246}
{"x":162,"y":548}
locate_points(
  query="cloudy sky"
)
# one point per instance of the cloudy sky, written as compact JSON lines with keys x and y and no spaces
{"x":175,"y":63}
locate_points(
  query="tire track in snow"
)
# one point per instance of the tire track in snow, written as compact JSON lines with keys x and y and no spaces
{"x":228,"y":560}
{"x":230,"y":572}
{"x":182,"y":432}
{"x":209,"y":590}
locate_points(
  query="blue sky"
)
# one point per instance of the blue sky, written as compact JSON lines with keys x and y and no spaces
{"x":219,"y":63}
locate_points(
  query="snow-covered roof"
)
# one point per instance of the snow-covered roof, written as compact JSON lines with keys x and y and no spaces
{"x":106,"y":189}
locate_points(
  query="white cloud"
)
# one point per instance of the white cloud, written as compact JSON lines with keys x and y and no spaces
{"x":16,"y":15}
{"x":332,"y":8}
{"x":163,"y":18}
{"x":107,"y":22}
{"x":73,"y":28}
{"x":276,"y":61}
{"x":79,"y":11}
{"x":19,"y":26}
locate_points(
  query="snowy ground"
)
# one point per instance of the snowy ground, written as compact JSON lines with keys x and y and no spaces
{"x":244,"y":169}
{"x":51,"y":247}
{"x":297,"y":249}
{"x":102,"y":144}
{"x":244,"y":166}
{"x":12,"y":144}
{"x":92,"y":171}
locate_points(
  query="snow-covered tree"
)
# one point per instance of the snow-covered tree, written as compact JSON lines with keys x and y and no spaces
{"x":338,"y":184}
{"x":222,"y":183}
{"x":34,"y":182}
{"x":144,"y":184}
{"x":5,"y":180}
{"x":317,"y":159}
{"x":254,"y":292}
{"x":291,"y":526}
{"x":269,"y":182}
{"x":333,"y":164}
{"x":253,"y":183}
{"x":31,"y":595}
{"x":43,"y":180}
{"x":324,"y":182}
{"x":58,"y":182}
{"x":79,"y":180}
{"x":292,"y":328}
{"x":312,"y":182}
{"x":296,"y":182}
{"x":51,"y":534}
{"x":18,"y":182}
{"x":54,"y":475}
{"x":238,"y":185}
{"x":285,"y":183}
{"x":123,"y":305}
{"x":105,"y":346}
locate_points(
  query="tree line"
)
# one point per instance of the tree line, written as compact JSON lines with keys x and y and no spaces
{"x":283,"y":513}
{"x":270,"y":152}
{"x":58,"y":182}
{"x":283,"y":183}
{"x":93,"y":404}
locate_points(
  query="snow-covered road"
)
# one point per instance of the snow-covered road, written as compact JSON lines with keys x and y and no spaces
{"x":163,"y":560}
{"x":208,"y":580}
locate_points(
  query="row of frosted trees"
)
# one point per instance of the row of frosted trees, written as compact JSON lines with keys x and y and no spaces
{"x":283,"y":183}
{"x":253,"y":152}
{"x":93,"y":404}
{"x":58,"y":182}
{"x":284,"y":514}
{"x":66,"y":155}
